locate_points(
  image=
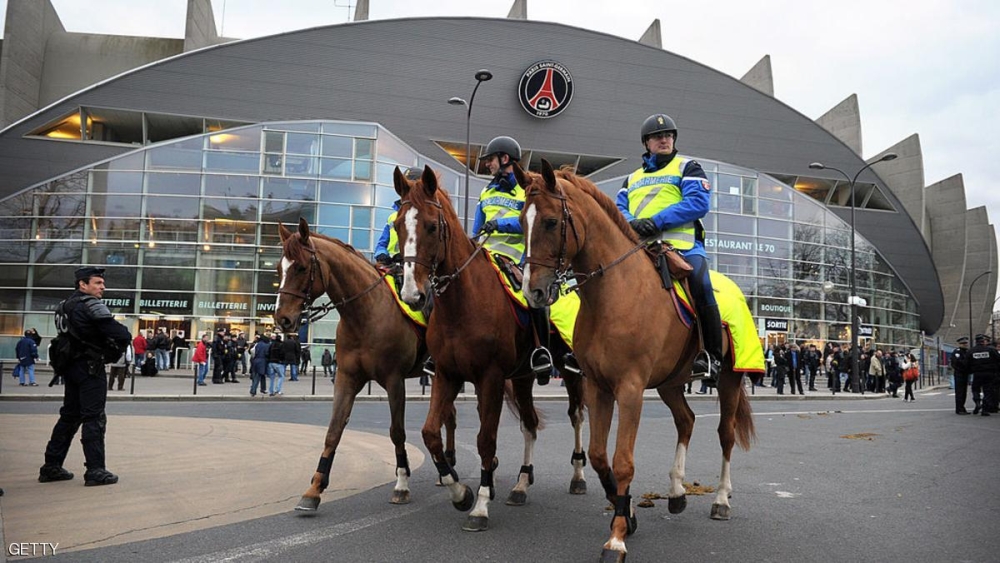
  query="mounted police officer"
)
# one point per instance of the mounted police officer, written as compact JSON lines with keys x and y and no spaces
{"x":665,"y":200}
{"x":959,"y":358}
{"x":499,"y":212}
{"x":387,"y":249}
{"x":983,"y":363}
{"x":89,"y":337}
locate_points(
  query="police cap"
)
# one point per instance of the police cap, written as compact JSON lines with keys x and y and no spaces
{"x":86,"y":272}
{"x":963,"y":340}
{"x":413,"y":173}
{"x":982,"y":338}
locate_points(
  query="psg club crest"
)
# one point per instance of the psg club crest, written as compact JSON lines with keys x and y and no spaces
{"x":545,"y":89}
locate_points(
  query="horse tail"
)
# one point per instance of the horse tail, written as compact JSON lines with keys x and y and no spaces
{"x":746,"y":433}
{"x":510,"y":398}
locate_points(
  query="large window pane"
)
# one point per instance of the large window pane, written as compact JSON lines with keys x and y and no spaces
{"x":115,"y":205}
{"x":226,"y":231}
{"x":102,"y":228}
{"x":241,"y":140}
{"x":231,"y":186}
{"x":52,"y":275}
{"x":172,"y":207}
{"x":392,"y":151}
{"x":163,"y":230}
{"x":116,"y":182}
{"x":57,"y":251}
{"x":302,"y":143}
{"x":774,"y":229}
{"x":338,"y":146}
{"x":289,"y":188}
{"x":232,"y":209}
{"x":174,"y":279}
{"x":287,"y":212}
{"x":183,"y":155}
{"x":362,"y":217}
{"x":345,"y":192}
{"x":352,"y":129}
{"x":335,"y":168}
{"x":248,"y":162}
{"x":173,"y":184}
{"x":335,"y":215}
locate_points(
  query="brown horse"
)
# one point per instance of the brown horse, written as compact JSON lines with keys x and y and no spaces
{"x":473,"y":336}
{"x":627,"y":335}
{"x":375,"y":341}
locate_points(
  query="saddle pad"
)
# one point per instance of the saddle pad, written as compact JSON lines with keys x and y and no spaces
{"x":737,"y":321}
{"x":562,"y":313}
{"x":417,"y":317}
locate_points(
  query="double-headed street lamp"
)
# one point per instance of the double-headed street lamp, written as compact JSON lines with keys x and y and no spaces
{"x":482,"y":75}
{"x":854,"y":300}
{"x":971,"y":335}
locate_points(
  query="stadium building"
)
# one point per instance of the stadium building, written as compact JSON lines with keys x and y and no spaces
{"x":171,"y":163}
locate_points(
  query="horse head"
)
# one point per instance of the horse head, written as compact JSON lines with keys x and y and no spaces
{"x":552,"y":237}
{"x":423,"y":233}
{"x":301,"y":277}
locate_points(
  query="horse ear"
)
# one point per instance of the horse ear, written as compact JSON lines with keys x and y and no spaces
{"x":400,"y":182}
{"x":549,"y":175}
{"x":430,"y":181}
{"x":283,"y":232}
{"x":304,"y":230}
{"x":522,"y":178}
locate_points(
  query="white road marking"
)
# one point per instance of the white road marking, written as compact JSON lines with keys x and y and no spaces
{"x":786,"y":494}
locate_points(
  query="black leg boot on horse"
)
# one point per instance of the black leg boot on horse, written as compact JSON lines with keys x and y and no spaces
{"x":541,"y":358}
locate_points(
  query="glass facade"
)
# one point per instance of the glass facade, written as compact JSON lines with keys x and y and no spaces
{"x":188,"y":232}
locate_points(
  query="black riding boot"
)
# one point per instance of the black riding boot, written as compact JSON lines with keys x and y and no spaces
{"x":708,"y":367}
{"x":541,"y":359}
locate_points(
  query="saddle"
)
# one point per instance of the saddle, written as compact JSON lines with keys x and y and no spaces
{"x":511,"y":270}
{"x":669,"y":262}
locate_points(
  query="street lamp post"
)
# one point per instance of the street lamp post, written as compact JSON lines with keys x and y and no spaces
{"x":854,"y":299}
{"x":482,"y":75}
{"x":972,"y":336}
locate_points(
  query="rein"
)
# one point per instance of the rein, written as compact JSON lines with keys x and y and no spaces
{"x":440,"y":283}
{"x":317,"y":312}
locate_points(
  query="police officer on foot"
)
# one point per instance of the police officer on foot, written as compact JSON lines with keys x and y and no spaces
{"x":664,"y":200}
{"x":983,"y":363}
{"x":92,"y":338}
{"x":959,"y":357}
{"x":499,"y":212}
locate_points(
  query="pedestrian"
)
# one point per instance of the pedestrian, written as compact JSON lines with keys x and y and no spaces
{"x":876,"y":371}
{"x":200,"y":357}
{"x":893,"y":374}
{"x":290,"y":353}
{"x":327,"y":363}
{"x":119,"y":369}
{"x":795,"y":369}
{"x":911,"y":373}
{"x":276,"y":366}
{"x":958,"y":361}
{"x":241,"y":351}
{"x":27,"y":354}
{"x":177,"y":343}
{"x":139,"y":345}
{"x":148,"y":367}
{"x":837,"y":364}
{"x":89,"y":336}
{"x":161,"y":345}
{"x":983,"y":363}
{"x":258,"y":365}
{"x":306,"y":358}
{"x":218,"y":355}
{"x":811,"y":366}
{"x":228,"y":359}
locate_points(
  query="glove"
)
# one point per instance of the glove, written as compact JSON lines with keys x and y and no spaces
{"x":382,"y":259}
{"x":644,"y":227}
{"x":490,"y":226}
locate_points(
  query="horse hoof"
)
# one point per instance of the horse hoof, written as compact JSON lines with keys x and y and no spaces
{"x":677,"y":505}
{"x":476,"y":524}
{"x":517,"y":498}
{"x":720,"y":512}
{"x":307,"y":504}
{"x":400,"y":497}
{"x":468,"y":499}
{"x":578,"y":487}
{"x":612,"y":556}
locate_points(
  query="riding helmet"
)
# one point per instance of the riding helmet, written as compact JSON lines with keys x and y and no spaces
{"x":657,"y":123}
{"x":504,"y":145}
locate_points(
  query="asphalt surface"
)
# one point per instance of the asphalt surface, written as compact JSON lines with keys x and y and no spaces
{"x":921,"y":487}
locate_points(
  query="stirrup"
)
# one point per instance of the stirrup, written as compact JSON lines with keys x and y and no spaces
{"x":429,"y":366}
{"x":570,"y":364}
{"x":541,"y":364}
{"x":706,"y":368}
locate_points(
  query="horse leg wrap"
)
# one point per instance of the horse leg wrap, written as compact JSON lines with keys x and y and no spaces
{"x":449,"y":455}
{"x":403,"y":462}
{"x":529,"y":470}
{"x":610,"y":485}
{"x":623,"y":508}
{"x":486,"y":480}
{"x":579,"y":456}
{"x":445,"y":469}
{"x":323,"y":468}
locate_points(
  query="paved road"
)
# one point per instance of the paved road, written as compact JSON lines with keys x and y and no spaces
{"x":923,"y":488}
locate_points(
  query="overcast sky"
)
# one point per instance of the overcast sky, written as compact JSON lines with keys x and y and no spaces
{"x":930,"y":67}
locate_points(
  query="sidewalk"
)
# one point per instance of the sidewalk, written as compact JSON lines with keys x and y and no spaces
{"x":177,"y":385}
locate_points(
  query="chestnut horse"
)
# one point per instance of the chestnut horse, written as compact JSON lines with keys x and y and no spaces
{"x":375,"y":341}
{"x":628,"y":337}
{"x":473,"y":336}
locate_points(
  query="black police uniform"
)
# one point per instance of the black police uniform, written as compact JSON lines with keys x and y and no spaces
{"x":95,"y":336}
{"x":984,"y":365}
{"x":959,"y":357}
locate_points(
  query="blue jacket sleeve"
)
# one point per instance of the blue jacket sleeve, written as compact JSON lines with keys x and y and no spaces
{"x":480,"y":218}
{"x":510,"y":225}
{"x":694,"y":201}
{"x":622,"y":201}
{"x":383,"y":242}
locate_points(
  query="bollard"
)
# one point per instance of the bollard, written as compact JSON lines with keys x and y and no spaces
{"x":369,"y":386}
{"x":195,"y":379}
{"x":1,"y":376}
{"x":131,"y":375}
{"x":314,"y":381}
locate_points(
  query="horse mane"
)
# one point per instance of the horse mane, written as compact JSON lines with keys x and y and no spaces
{"x":418,"y":196}
{"x":299,"y":253}
{"x":602,"y":200}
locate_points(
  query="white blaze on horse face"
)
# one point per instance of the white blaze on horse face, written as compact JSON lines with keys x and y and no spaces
{"x":410,"y":292}
{"x":286,"y":264}
{"x":529,"y":216}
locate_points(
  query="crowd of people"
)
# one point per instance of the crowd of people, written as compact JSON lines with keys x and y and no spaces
{"x":879,"y":370}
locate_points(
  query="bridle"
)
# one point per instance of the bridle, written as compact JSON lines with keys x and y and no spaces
{"x":561,"y":265}
{"x":440,"y":283}
{"x":314,"y":313}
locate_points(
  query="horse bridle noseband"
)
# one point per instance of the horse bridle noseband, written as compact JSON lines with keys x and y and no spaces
{"x":314,"y":313}
{"x":440,"y":283}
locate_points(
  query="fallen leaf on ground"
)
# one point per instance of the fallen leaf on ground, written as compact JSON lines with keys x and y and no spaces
{"x":645,"y":504}
{"x":697,"y":489}
{"x":860,"y":436}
